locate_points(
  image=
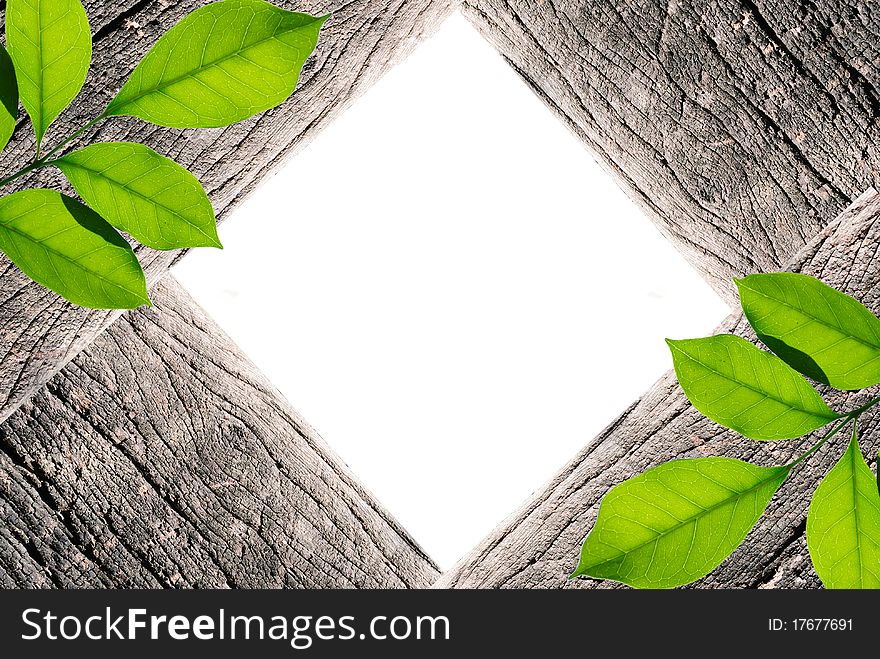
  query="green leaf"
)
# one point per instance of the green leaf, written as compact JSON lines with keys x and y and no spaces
{"x":143,"y":193}
{"x":819,"y":331}
{"x":50,"y":43}
{"x":69,"y":249}
{"x":843,"y":525}
{"x":740,"y":386}
{"x":8,"y":98}
{"x":221,"y":64}
{"x":677,"y":522}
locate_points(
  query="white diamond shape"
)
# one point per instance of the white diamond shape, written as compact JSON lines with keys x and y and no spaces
{"x":451,"y":291}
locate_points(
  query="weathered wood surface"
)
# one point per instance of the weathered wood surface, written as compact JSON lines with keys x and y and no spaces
{"x":742,"y":127}
{"x":538,"y":546}
{"x":160,"y":456}
{"x":39,"y":332}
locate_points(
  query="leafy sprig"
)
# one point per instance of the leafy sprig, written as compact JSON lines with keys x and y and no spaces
{"x":223,"y":63}
{"x":677,"y":522}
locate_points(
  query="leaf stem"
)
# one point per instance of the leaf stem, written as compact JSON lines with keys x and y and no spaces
{"x":70,"y":139}
{"x":36,"y":164}
{"x":853,"y":416}
{"x":45,"y":160}
{"x":815,"y":447}
{"x":864,"y":408}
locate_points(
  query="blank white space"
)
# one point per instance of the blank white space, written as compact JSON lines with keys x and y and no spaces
{"x":451,"y":291}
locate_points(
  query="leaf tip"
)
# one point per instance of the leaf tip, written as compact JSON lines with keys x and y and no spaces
{"x":579,"y":571}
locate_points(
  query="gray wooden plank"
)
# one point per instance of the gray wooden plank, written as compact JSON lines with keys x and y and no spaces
{"x":39,"y":332}
{"x":538,"y":546}
{"x":161,"y":457}
{"x":742,"y":127}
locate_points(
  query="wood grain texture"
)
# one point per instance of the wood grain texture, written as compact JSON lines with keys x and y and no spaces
{"x":742,"y":127}
{"x":539,"y":545}
{"x":39,"y":332}
{"x":161,"y":457}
